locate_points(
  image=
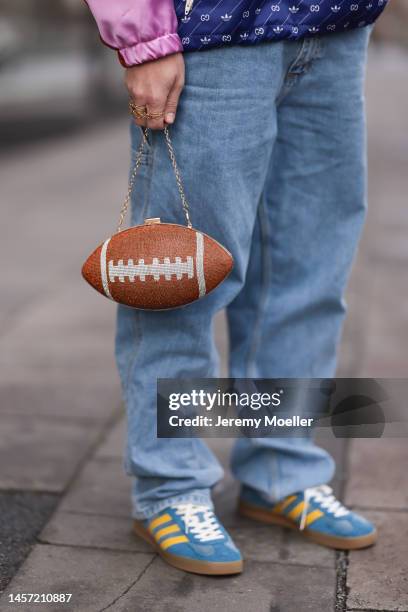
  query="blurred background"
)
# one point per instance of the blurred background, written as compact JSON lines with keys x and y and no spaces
{"x":64,"y":153}
{"x":54,"y":73}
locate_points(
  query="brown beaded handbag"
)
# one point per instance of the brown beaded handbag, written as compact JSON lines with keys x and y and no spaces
{"x":157,"y":265}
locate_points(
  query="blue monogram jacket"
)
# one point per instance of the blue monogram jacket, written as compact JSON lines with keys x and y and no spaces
{"x":144,"y":30}
{"x":206,"y":23}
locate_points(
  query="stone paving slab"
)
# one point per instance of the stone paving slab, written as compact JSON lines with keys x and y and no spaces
{"x":22,"y":516}
{"x":377,"y":578}
{"x":378,"y":474}
{"x":263,"y":587}
{"x":102,"y":488}
{"x":385,"y":350}
{"x":38,"y":453}
{"x":278,"y":545}
{"x":95,"y":579}
{"x":87,"y":403}
{"x":92,"y":531}
{"x":64,"y":210}
{"x":113,"y":446}
{"x":63,"y":337}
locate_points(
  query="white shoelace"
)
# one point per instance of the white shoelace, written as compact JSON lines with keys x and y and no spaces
{"x":200,"y":521}
{"x":323,"y":495}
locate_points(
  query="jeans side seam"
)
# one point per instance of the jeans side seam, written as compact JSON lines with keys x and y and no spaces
{"x":265,"y":282}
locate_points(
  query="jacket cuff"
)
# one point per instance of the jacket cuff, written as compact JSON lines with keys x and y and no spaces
{"x":150,"y":50}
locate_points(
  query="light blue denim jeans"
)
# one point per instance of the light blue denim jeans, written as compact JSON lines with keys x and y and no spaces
{"x":271,"y":143}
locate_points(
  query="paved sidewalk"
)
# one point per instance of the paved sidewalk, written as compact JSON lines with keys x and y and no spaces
{"x":62,"y":430}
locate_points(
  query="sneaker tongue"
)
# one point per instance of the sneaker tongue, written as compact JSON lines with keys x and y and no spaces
{"x":200,"y":522}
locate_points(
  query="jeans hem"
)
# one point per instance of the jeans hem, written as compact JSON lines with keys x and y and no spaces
{"x":145,"y":511}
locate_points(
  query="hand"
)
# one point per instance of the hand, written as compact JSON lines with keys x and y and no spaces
{"x":157,"y":85}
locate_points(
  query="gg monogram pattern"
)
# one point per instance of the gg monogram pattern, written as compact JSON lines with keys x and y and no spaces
{"x":212,"y":23}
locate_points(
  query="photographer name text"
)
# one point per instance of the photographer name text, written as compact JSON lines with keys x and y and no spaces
{"x":251,"y":422}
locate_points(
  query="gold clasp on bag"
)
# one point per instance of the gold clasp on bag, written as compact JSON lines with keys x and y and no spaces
{"x":152,"y":221}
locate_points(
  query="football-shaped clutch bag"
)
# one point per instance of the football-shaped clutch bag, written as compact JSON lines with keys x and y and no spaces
{"x":157,"y":265}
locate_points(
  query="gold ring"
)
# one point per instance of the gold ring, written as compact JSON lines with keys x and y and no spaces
{"x":141,"y":112}
{"x":135,"y":107}
{"x":154,"y":115}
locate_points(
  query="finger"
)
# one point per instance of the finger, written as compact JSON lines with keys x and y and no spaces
{"x":155,"y":107}
{"x":141,"y":122}
{"x":140,"y":102}
{"x":156,"y":122}
{"x":172,"y":102}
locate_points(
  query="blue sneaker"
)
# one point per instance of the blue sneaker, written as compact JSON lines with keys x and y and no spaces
{"x":191,"y":538}
{"x":315,"y":513}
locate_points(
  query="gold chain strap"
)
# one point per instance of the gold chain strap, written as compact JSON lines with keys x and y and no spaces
{"x":132,"y":178}
{"x":179,"y":182}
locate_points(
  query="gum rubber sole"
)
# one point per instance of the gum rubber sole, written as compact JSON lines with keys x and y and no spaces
{"x":189,"y":565}
{"x":264,"y":516}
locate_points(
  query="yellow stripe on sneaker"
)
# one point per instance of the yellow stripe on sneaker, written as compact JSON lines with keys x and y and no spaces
{"x":166,"y":531}
{"x":165,"y":544}
{"x":160,"y":520}
{"x":280,"y":506}
{"x":313,"y":516}
{"x":296,"y":511}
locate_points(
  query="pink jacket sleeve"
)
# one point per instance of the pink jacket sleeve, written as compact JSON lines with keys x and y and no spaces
{"x":141,"y":30}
